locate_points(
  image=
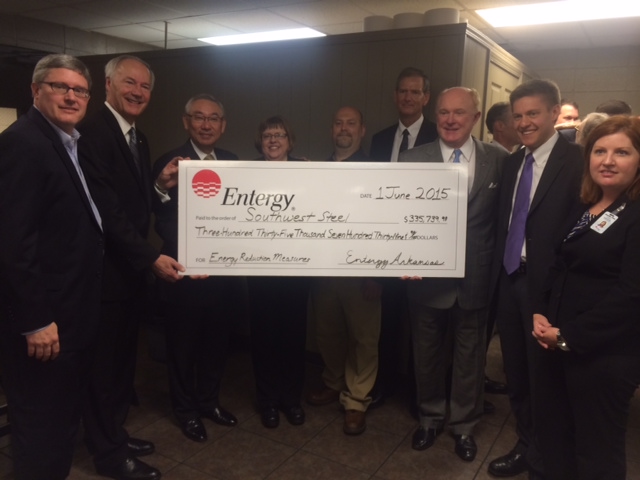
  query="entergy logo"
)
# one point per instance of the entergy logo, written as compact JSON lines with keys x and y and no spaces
{"x":206,"y":183}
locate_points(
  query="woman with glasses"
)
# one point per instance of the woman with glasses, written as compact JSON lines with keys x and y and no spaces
{"x":278,"y":312}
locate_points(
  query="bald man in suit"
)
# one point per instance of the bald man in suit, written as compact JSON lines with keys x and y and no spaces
{"x":461,"y":304}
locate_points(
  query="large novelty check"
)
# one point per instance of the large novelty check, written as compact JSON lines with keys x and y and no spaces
{"x":322,"y":218}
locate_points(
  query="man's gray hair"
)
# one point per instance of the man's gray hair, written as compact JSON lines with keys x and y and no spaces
{"x":202,"y":96}
{"x":59,"y":60}
{"x":473,"y":93}
{"x":113,"y":64}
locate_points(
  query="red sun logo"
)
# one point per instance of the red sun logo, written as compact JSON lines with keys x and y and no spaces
{"x":206,"y":183}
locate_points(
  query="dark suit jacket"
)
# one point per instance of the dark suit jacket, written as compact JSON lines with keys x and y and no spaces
{"x":555,"y":198}
{"x":123,"y":197}
{"x":52,"y":245}
{"x":472,"y":291}
{"x":595,"y":298}
{"x":382,"y":142}
{"x":194,"y":292}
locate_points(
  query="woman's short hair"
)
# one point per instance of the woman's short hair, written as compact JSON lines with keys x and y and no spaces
{"x":630,"y":126}
{"x":276,"y":121}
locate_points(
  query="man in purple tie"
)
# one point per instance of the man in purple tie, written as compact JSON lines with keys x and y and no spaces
{"x":540,"y":187}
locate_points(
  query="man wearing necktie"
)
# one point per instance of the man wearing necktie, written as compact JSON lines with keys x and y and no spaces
{"x":197,"y":312}
{"x":456,"y":304}
{"x":50,"y":271}
{"x":115,"y":156}
{"x":539,"y":191}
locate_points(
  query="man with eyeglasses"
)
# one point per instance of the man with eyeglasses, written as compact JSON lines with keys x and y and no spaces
{"x":197,"y":312}
{"x":50,"y":270}
{"x":116,"y":159}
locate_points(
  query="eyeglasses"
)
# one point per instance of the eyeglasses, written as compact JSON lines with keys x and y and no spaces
{"x":202,"y":118}
{"x":63,"y":88}
{"x":274,"y":136}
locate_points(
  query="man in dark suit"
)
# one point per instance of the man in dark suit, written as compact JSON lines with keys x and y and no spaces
{"x":461,"y":304}
{"x":411,"y":96}
{"x":120,"y":180}
{"x":50,"y":270}
{"x":526,"y":242}
{"x":197,"y":313}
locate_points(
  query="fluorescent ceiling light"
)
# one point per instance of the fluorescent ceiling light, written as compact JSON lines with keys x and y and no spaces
{"x":257,"y":37}
{"x":560,"y":12}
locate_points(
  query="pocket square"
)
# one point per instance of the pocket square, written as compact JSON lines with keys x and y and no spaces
{"x":493,"y":185}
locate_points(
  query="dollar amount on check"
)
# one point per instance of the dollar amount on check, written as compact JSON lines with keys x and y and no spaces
{"x":322,"y":218}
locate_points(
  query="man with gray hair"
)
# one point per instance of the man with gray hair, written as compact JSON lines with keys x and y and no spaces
{"x":197,"y":311}
{"x":118,"y":173}
{"x":50,"y":270}
{"x":499,"y":122}
{"x":461,"y":304}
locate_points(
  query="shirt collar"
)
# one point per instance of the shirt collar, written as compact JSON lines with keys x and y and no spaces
{"x":466,"y":149}
{"x":541,"y":154}
{"x":124,"y":125}
{"x":414,"y":128}
{"x":202,"y":154}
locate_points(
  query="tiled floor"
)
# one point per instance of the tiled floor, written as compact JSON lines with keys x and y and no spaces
{"x":316,"y":450}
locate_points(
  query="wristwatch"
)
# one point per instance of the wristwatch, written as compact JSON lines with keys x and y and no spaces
{"x":562,"y":343}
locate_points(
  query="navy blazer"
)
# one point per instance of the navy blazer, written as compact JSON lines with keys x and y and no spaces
{"x":382,"y":142}
{"x":123,"y":196}
{"x":52,"y":245}
{"x":594,"y":289}
{"x":555,"y":199}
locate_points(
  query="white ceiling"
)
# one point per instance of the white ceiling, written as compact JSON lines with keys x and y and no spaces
{"x":186,"y":20}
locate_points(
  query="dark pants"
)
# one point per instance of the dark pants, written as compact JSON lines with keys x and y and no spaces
{"x":581,"y":413}
{"x":514,"y":317}
{"x":278,"y":337}
{"x":111,"y":384}
{"x":45,"y":404}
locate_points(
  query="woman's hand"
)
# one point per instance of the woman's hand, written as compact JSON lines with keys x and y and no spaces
{"x":544,"y":332}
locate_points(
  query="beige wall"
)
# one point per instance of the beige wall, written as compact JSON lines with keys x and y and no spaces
{"x":591,"y":76}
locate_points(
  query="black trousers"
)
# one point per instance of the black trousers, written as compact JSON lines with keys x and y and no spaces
{"x":111,"y":384}
{"x":581,"y":413}
{"x":278,"y":338}
{"x":45,"y":404}
{"x":197,"y":346}
{"x":514,"y":317}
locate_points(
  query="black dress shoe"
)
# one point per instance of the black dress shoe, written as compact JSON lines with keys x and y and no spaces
{"x":423,"y":438}
{"x":466,"y":447}
{"x":509,"y":465}
{"x":494,"y":387}
{"x":130,"y":469}
{"x":220,"y":416}
{"x":139,"y":448}
{"x":295,"y":415}
{"x":270,"y":417}
{"x":488,"y":407}
{"x":194,"y":430}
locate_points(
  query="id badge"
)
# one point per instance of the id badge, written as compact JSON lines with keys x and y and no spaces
{"x":605,"y":221}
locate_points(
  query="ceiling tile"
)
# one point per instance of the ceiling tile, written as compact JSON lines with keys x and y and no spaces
{"x":128,"y":11}
{"x":72,"y":17}
{"x":253,"y":21}
{"x":138,"y":33}
{"x":182,"y":43}
{"x":322,"y":13}
{"x":340,"y":28}
{"x":195,"y":27}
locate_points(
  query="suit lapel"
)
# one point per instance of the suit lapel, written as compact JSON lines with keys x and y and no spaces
{"x":481,"y":171}
{"x":554,"y":165}
{"x":121,"y":141}
{"x":63,"y":155}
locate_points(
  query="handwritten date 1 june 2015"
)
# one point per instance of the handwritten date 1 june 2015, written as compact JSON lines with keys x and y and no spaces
{"x":420,"y":193}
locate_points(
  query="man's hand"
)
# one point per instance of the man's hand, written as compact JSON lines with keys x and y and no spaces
{"x":544,"y":332}
{"x":168,"y":177}
{"x":167,"y":269}
{"x":44,"y":345}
